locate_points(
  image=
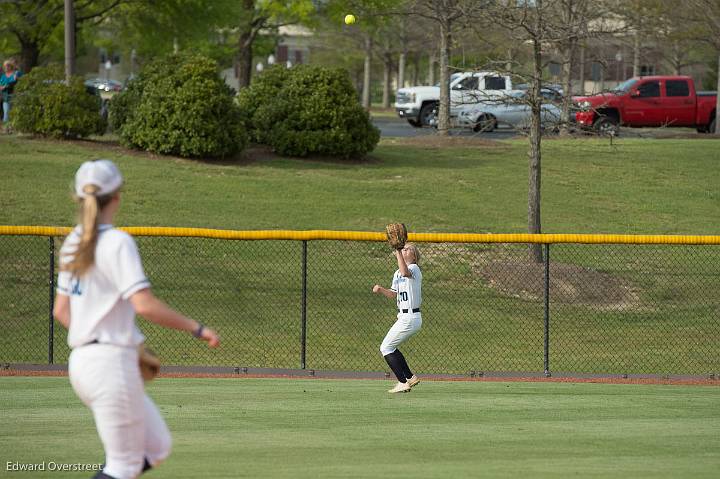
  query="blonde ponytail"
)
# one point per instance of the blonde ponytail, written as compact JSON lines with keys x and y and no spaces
{"x":90,"y":206}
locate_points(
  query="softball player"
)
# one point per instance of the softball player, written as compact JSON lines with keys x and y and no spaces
{"x":406,"y":289}
{"x":101,"y":285}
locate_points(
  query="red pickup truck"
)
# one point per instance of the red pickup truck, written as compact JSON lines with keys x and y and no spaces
{"x":648,"y":101}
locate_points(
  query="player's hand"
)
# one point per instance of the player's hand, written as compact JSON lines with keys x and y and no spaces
{"x":376,"y":288}
{"x":210,"y":337}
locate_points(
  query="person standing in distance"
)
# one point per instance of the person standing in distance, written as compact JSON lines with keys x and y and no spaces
{"x":406,"y":289}
{"x":8,"y":78}
{"x":101,"y":285}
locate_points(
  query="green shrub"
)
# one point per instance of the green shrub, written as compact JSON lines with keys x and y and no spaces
{"x":179,"y":105}
{"x":124,"y":103}
{"x":45,"y":105}
{"x":257,"y":99}
{"x":310,"y":110}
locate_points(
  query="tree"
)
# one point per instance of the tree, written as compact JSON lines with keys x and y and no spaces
{"x":706,"y":14}
{"x":32,"y":23}
{"x":447,"y":14}
{"x":529,"y":23}
{"x":155,"y":29}
{"x":374,"y":33}
{"x":571,"y":29}
{"x":257,"y":15}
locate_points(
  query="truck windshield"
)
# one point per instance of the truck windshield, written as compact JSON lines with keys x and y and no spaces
{"x":625,"y":86}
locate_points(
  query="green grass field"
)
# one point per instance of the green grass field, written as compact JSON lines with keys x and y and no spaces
{"x":250,"y":291}
{"x":228,"y":428}
{"x":666,"y":322}
{"x":635,"y":186}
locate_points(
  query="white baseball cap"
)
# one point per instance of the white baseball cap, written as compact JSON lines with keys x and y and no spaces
{"x":101,"y":173}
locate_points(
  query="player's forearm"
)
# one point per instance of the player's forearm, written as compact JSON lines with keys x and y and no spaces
{"x":155,"y":310}
{"x":388,"y":293}
{"x":61,"y":310}
{"x":402,"y":266}
{"x":63,"y":318}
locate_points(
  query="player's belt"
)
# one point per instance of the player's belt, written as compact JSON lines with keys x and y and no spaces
{"x":414,"y":310}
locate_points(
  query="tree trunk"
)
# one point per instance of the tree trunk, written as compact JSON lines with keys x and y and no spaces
{"x":568,"y":62}
{"x":431,"y":69}
{"x":534,"y":153}
{"x":581,"y":90}
{"x":401,"y":71}
{"x":69,"y":40}
{"x":677,"y":59}
{"x":402,"y":58}
{"x":416,"y":69}
{"x":387,"y":74}
{"x":244,"y":59}
{"x":366,"y":73}
{"x":444,"y":107}
{"x":29,"y":54}
{"x":636,"y":54}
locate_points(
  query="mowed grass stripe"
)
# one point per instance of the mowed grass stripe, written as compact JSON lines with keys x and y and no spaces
{"x":341,"y":428}
{"x":633,"y":186}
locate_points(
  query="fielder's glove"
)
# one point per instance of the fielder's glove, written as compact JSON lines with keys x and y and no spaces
{"x":149,"y":363}
{"x":396,"y":235}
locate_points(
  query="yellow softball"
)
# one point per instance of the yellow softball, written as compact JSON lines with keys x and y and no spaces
{"x":349,"y":19}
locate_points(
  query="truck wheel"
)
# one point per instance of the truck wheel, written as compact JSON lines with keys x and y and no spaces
{"x":426,"y":113}
{"x":485,"y":123}
{"x":607,"y":125}
{"x":414,"y":123}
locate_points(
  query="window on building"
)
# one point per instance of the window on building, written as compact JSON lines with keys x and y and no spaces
{"x":677,"y":88}
{"x":554,"y":69}
{"x":282,"y":54}
{"x":647,"y":70}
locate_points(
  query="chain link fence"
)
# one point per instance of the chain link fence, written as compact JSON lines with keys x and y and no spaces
{"x":588,"y":308}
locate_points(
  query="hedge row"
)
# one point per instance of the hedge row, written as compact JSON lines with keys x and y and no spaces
{"x":180,"y":105}
{"x":308,"y":110}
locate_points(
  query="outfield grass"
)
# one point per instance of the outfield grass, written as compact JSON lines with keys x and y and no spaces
{"x":250,"y":291}
{"x":589,"y":186}
{"x":228,"y":428}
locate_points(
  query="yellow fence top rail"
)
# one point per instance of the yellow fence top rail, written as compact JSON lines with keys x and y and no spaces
{"x":379,"y":236}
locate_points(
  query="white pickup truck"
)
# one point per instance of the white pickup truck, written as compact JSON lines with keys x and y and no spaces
{"x":417,"y":104}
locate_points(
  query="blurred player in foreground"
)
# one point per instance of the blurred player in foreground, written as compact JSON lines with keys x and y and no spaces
{"x":101,"y":285}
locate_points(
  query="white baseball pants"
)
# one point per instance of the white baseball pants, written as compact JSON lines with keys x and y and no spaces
{"x":107,"y":379}
{"x":405,"y":327}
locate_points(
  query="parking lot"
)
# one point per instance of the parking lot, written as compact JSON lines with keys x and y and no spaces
{"x":397,"y":127}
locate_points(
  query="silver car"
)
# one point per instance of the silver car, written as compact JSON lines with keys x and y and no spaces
{"x":513,"y":109}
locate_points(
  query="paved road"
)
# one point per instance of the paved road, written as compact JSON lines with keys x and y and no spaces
{"x":400,"y":128}
{"x":396,"y":127}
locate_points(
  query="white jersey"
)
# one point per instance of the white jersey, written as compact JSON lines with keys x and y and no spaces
{"x":409,"y":290}
{"x":99,"y":306}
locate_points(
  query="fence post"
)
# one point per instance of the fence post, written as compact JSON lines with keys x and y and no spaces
{"x":547,"y":312}
{"x":51,"y":321}
{"x":303,"y":320}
